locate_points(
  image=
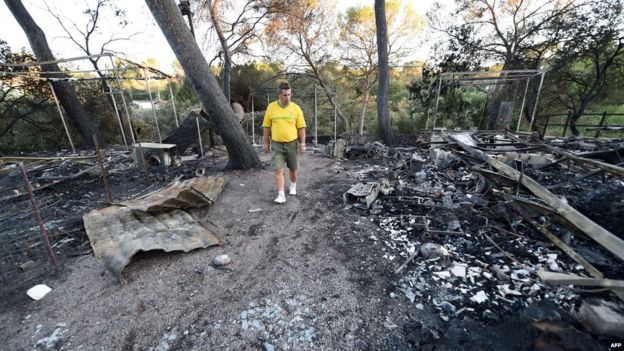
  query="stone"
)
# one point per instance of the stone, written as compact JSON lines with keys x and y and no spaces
{"x":54,"y":341}
{"x":221,"y":260}
{"x":410,"y":295}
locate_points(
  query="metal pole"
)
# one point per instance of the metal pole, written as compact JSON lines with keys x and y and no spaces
{"x":315,"y":119}
{"x":103,"y":170}
{"x":123,"y":99}
{"x":602,"y":120}
{"x":201,"y":147}
{"x":335,"y":117}
{"x":149,"y":91}
{"x":175,"y":113}
{"x":526,"y":89}
{"x":58,"y":106}
{"x":123,"y":133}
{"x":435,"y":113}
{"x":539,"y":91}
{"x":42,"y":229}
{"x":253,"y":122}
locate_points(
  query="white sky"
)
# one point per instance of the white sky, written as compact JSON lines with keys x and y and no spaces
{"x":149,"y":43}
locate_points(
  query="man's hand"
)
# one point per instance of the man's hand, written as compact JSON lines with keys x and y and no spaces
{"x":265,"y":146}
{"x":302,"y":148}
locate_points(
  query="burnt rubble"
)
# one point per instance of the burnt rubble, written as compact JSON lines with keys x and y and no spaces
{"x":469,"y":240}
{"x":66,"y":186}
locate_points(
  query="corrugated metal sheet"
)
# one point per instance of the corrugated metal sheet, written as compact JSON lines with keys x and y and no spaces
{"x":153,"y":222}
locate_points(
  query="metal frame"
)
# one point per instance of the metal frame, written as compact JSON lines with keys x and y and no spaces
{"x":474,"y":78}
{"x":116,"y":76}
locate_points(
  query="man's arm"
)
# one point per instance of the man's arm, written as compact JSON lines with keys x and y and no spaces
{"x":302,"y":138}
{"x":265,"y":138}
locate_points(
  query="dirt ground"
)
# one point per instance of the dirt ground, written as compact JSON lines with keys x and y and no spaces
{"x":304,"y":276}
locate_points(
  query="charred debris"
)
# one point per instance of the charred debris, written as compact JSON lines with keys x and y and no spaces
{"x":487,"y":225}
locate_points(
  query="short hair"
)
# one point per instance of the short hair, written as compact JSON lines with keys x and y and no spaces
{"x":283,"y":86}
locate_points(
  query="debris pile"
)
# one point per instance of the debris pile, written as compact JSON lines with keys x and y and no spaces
{"x":471,"y":224}
{"x":288,"y":324}
{"x":66,"y":186}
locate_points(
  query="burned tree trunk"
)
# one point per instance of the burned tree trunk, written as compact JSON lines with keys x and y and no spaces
{"x":65,"y":93}
{"x":383,"y":112}
{"x":169,"y":18}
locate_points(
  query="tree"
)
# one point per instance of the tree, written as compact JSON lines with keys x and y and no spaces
{"x":235,"y":37}
{"x":85,"y":38}
{"x":383,"y":113}
{"x":517,"y":34}
{"x":21,"y":96}
{"x":65,"y":93}
{"x":357,"y":38}
{"x":306,"y":30}
{"x":170,"y":20}
{"x":590,"y":63}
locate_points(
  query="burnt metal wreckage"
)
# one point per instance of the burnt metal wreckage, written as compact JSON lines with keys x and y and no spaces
{"x":61,"y":189}
{"x":486,"y":224}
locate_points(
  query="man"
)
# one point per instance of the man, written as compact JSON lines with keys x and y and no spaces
{"x":284,"y":123}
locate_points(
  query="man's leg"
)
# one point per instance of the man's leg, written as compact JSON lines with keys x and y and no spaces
{"x":292,"y":162}
{"x":293,"y":182}
{"x":279,"y":179}
{"x":279,"y":163}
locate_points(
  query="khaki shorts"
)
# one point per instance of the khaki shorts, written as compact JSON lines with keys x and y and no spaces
{"x":285,"y":155}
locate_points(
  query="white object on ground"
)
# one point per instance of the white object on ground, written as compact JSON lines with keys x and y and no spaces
{"x":221,"y":260}
{"x":480,"y":297}
{"x":37,"y":292}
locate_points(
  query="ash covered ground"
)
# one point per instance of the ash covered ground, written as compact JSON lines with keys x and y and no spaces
{"x":314,"y":274}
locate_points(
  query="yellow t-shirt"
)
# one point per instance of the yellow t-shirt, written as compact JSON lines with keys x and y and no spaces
{"x":283,"y":121}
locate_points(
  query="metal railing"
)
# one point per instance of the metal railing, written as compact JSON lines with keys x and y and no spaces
{"x":603,"y":125}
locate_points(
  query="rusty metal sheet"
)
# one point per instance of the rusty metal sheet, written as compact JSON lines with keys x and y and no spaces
{"x":117,"y":233}
{"x":153,"y":222}
{"x":192,"y":193}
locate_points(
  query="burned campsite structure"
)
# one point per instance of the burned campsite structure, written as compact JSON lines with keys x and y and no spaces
{"x":483,"y":238}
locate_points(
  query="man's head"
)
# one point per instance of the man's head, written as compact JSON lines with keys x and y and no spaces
{"x":284,"y":93}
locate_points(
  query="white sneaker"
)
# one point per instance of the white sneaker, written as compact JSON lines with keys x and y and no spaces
{"x":281,"y":198}
{"x":293,"y":189}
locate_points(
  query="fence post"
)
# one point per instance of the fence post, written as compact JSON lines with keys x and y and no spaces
{"x":545,"y":125}
{"x":44,"y":232}
{"x":565,"y":127}
{"x":602,"y":120}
